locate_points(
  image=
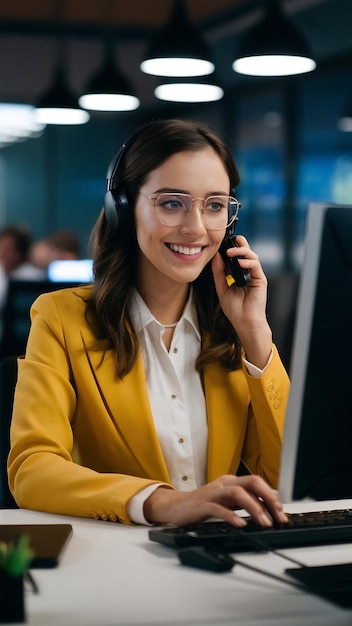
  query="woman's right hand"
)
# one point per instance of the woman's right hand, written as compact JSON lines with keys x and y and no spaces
{"x":216,"y":499}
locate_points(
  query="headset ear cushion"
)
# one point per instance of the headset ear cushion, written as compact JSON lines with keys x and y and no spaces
{"x":122,"y":204}
{"x":116,"y":207}
{"x":110,"y":210}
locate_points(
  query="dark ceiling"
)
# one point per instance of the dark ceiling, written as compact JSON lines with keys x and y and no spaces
{"x":30,"y":33}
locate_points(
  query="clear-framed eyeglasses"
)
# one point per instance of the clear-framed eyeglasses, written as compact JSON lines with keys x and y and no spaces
{"x":173,"y":209}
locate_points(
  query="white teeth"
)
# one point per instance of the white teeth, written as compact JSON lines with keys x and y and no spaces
{"x":185,"y":250}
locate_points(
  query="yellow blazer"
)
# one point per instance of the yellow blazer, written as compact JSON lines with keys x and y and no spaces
{"x":83,"y":442}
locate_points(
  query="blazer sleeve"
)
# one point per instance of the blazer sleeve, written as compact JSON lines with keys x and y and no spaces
{"x":42,"y":467}
{"x":266,"y":419}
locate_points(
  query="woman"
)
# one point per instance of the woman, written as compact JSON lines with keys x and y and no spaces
{"x":139,"y":396}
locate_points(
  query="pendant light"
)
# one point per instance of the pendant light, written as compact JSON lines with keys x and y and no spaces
{"x":58,"y":105}
{"x":18,"y":122}
{"x":109,"y":89}
{"x":344,"y":123}
{"x":178,"y":49}
{"x":189,"y":90}
{"x":274,"y":47}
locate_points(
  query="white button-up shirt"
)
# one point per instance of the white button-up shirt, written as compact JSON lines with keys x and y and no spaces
{"x":175,"y":392}
{"x":176,"y":397}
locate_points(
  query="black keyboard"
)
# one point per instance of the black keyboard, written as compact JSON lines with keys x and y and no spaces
{"x":302,"y":529}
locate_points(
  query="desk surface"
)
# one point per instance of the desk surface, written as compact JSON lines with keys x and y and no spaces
{"x":112,"y":575}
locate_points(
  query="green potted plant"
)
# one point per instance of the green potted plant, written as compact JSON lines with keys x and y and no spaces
{"x":14,"y":561}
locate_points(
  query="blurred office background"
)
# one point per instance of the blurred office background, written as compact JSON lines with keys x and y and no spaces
{"x":286,"y":133}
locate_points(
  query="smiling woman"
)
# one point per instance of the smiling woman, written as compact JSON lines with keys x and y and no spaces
{"x":176,"y":242}
{"x":160,"y":379}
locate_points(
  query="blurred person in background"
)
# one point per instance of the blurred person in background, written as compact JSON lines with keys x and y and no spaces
{"x":15,"y":243}
{"x":62,"y":245}
{"x":59,"y":246}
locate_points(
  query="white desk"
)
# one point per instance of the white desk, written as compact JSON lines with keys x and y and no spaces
{"x":112,"y":575}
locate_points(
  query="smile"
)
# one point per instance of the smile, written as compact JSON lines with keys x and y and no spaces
{"x":185,"y":249}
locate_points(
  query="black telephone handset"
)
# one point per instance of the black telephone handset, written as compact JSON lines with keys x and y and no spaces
{"x":234,"y":272}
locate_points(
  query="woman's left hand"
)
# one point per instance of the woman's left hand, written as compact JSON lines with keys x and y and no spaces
{"x":245,"y":307}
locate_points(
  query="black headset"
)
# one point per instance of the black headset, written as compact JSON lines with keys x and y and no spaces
{"x":116,"y":206}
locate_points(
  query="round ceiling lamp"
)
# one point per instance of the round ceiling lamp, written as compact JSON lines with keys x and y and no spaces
{"x":178,"y":49}
{"x":58,"y":105}
{"x":274,"y":47}
{"x":109,"y":89}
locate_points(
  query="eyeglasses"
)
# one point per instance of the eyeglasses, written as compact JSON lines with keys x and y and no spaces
{"x":173,"y":209}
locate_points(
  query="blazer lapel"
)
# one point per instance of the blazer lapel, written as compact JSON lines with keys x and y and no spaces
{"x":127,"y":403}
{"x":227,"y":403}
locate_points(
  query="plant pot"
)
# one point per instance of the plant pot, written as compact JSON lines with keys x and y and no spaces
{"x":12,"y":599}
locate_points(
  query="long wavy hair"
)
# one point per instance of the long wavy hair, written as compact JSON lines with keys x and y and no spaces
{"x":115,"y":255}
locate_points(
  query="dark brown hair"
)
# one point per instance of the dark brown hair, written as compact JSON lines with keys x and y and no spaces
{"x":115,"y":251}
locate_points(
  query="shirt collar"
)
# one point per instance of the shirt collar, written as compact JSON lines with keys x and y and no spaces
{"x":142,"y":317}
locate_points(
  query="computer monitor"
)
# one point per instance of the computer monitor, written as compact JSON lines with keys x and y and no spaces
{"x":317,"y":451}
{"x":75,"y":270}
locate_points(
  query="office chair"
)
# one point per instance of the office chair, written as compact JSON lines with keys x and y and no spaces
{"x":15,"y":316}
{"x":281,"y":311}
{"x":8,"y":378}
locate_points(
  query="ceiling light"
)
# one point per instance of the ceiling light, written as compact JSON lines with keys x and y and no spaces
{"x":109,"y":89}
{"x":273,"y":119}
{"x":178,"y":49}
{"x":18,"y":122}
{"x":274,"y":47}
{"x":7,"y":139}
{"x":58,"y":105}
{"x":20,"y":117}
{"x":344,"y":123}
{"x":189,"y":91}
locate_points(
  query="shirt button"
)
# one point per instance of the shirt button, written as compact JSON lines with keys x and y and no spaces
{"x":173,"y":396}
{"x":181,"y":440}
{"x":95,"y":515}
{"x":270,"y":386}
{"x":175,"y":350}
{"x":112,"y":517}
{"x":104,"y":517}
{"x":184,"y":478}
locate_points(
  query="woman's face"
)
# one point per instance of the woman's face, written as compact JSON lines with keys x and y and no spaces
{"x":179,"y":253}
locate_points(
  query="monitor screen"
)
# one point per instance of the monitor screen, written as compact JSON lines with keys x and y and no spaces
{"x":80,"y":271}
{"x":317,"y":451}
